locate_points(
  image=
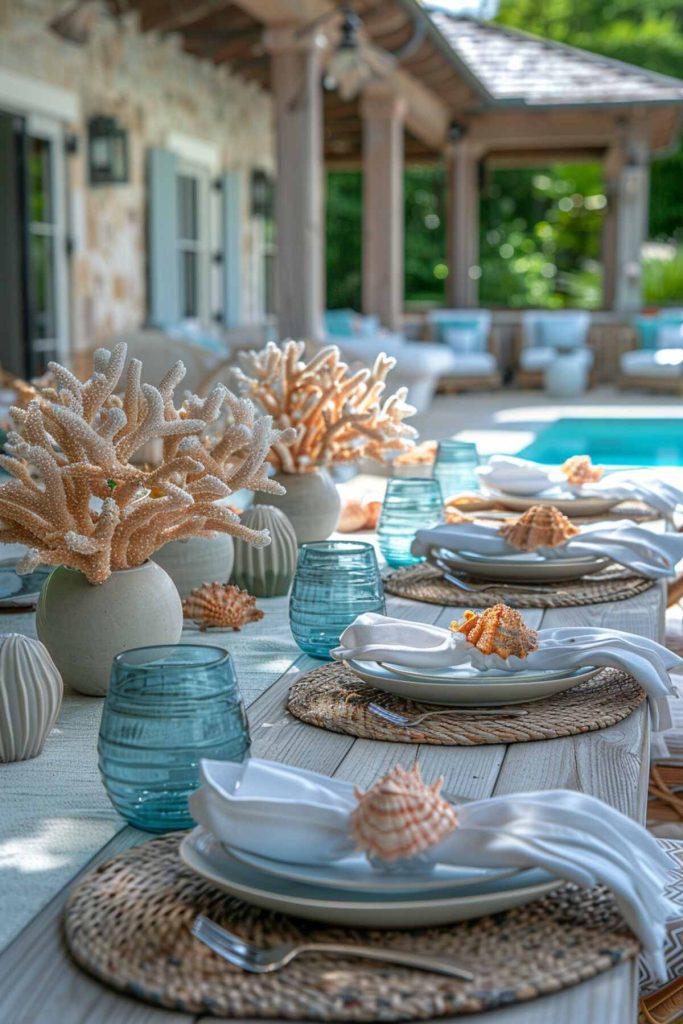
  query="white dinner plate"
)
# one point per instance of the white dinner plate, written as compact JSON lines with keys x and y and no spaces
{"x":455,"y":687}
{"x":570,"y":504}
{"x":203,"y":854}
{"x":355,"y":873}
{"x":524,"y":567}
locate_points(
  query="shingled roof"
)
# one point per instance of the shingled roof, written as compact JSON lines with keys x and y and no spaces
{"x":513,"y":68}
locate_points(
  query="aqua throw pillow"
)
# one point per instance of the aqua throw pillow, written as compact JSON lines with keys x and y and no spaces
{"x":340,"y":323}
{"x":443,"y":328}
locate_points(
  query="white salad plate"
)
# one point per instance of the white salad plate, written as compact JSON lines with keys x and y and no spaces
{"x":567,"y":502}
{"x":356,"y":874}
{"x":206,"y":856}
{"x":527,"y":566}
{"x":463,"y":685}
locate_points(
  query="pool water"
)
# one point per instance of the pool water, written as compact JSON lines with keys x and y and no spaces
{"x":613,"y":442}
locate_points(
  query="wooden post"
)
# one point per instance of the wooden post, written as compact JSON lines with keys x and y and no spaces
{"x":463,"y":224}
{"x":297,"y":98}
{"x":383,"y":213}
{"x":627,"y":176}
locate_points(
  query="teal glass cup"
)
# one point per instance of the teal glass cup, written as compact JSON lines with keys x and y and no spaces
{"x":335,"y":581}
{"x":167,"y":707}
{"x":455,"y":467}
{"x":410,"y":504}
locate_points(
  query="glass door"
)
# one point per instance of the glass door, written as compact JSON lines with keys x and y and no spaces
{"x":194,"y":244}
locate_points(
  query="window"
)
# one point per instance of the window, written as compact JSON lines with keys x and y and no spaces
{"x":193,"y":243}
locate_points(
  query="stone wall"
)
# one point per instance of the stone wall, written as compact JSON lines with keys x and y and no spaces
{"x":153,"y":89}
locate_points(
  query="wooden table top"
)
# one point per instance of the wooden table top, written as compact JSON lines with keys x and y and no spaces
{"x":40,"y":985}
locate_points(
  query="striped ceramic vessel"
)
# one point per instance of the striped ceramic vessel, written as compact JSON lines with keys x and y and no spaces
{"x":30,"y":696}
{"x":266,"y":572}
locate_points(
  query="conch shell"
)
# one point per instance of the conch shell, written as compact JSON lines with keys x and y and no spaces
{"x":357,"y":515}
{"x":421,"y":455}
{"x":222,"y":605}
{"x":541,"y":526}
{"x":580,"y":470}
{"x":498,"y":630}
{"x":401,"y":816}
{"x":452,"y":514}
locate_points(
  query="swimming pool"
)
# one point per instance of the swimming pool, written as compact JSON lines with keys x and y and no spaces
{"x":613,"y":442}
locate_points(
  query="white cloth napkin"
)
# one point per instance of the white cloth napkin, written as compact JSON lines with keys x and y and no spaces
{"x":643,"y":551}
{"x":290,"y":814}
{"x":379,"y":638}
{"x":512,"y":475}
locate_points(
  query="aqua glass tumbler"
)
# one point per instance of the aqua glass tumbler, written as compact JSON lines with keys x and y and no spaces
{"x":167,"y":707}
{"x":410,"y":504}
{"x":455,"y":467}
{"x":335,"y":581}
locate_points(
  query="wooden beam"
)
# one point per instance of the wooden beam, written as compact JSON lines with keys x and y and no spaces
{"x":427,"y":116}
{"x":273,"y":13}
{"x":174,"y":15}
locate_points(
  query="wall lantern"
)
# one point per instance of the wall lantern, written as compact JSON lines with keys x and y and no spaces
{"x":107,"y":151}
{"x":261,"y":194}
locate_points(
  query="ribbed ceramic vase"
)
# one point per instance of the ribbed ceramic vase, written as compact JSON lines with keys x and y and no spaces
{"x":312,"y":503}
{"x":30,"y":696}
{"x":266,"y":572}
{"x":197,"y":560}
{"x":84,"y":626}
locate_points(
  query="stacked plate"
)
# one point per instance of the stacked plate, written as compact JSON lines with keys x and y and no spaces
{"x":350,"y":892}
{"x":562,"y":498}
{"x":463,"y":685}
{"x":521,"y":567}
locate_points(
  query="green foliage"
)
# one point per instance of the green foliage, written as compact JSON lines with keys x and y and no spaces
{"x":663,"y":280}
{"x":344,"y":224}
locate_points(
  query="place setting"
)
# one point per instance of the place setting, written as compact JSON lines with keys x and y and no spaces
{"x":488,"y":678}
{"x":540,"y":559}
{"x":293,"y":885}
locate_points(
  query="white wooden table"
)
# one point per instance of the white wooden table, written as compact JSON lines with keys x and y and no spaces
{"x":40,"y":985}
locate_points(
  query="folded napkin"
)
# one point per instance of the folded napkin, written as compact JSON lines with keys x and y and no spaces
{"x":645,"y":552}
{"x":290,"y":814}
{"x":511,"y":475}
{"x":379,"y":638}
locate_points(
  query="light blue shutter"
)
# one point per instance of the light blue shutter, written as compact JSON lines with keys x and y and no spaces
{"x":232,"y":248}
{"x":162,"y":227}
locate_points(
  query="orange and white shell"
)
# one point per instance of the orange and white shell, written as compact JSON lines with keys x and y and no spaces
{"x":453,"y":515}
{"x":221,"y":605}
{"x":353,"y":517}
{"x":541,"y":526}
{"x":579,"y":470}
{"x":421,"y":455}
{"x":401,"y":816}
{"x":498,"y":630}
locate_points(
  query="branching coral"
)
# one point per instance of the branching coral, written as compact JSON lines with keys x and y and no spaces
{"x":339,"y":415}
{"x":77,"y":500}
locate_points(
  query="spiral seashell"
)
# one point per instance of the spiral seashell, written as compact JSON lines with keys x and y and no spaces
{"x":453,"y":515}
{"x":401,"y":816}
{"x":498,"y":630}
{"x":373,"y":510}
{"x":580,"y":470}
{"x":222,"y":605}
{"x":541,"y":526}
{"x":353,"y":517}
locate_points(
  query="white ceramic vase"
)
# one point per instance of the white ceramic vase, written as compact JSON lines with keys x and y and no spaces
{"x":266,"y":572}
{"x":83,"y":626}
{"x":312,"y":503}
{"x":197,"y":560}
{"x":30,"y":696}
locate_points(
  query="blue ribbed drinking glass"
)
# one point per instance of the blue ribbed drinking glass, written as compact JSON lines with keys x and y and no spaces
{"x":167,"y":707}
{"x":335,"y":581}
{"x":410,"y":504}
{"x":455,"y":467}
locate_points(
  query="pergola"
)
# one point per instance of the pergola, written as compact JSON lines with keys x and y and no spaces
{"x":464,"y":90}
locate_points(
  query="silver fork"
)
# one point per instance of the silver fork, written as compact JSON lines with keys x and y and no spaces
{"x":258,"y":960}
{"x":409,"y":723}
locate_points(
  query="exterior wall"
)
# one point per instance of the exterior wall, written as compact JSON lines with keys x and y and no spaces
{"x":154,"y":90}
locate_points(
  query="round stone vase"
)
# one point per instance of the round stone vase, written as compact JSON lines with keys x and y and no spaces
{"x":197,"y":560}
{"x":83,"y":626}
{"x":312,"y":504}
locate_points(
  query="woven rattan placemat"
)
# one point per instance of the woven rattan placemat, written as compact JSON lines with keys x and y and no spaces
{"x":128,"y":923}
{"x":423,"y":582}
{"x":334,"y":698}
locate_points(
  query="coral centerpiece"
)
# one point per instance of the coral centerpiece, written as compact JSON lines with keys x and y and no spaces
{"x":78,"y":501}
{"x":339,"y":415}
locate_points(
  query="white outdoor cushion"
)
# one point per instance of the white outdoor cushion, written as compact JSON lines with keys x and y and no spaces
{"x":473,"y":364}
{"x":536,"y":359}
{"x":463,"y":340}
{"x":665,"y":362}
{"x":670,"y":336}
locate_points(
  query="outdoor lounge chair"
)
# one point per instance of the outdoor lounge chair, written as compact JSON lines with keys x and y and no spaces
{"x":654,"y":358}
{"x":541,"y":335}
{"x":466,"y":334}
